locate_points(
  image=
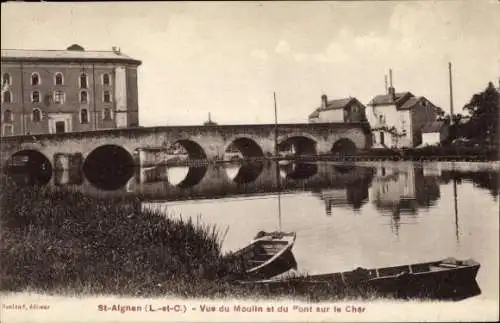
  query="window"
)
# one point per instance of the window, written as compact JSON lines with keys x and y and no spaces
{"x":84,"y":116}
{"x":83,"y":81}
{"x":59,"y":97}
{"x":36,"y":115}
{"x":35,"y":79}
{"x":107,"y":96}
{"x":7,"y":115}
{"x":381,"y":119}
{"x":7,"y":97}
{"x":107,"y":114}
{"x":6,"y":79}
{"x":35,"y":97}
{"x":59,"y":79}
{"x":106,"y":79}
{"x":84,"y":97}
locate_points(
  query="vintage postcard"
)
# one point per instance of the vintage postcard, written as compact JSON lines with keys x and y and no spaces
{"x":284,"y":161}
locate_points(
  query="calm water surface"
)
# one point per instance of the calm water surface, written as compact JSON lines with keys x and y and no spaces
{"x":404,"y":213}
{"x":345,"y":216}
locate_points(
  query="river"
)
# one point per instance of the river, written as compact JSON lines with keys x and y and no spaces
{"x":371,"y":214}
{"x":404,"y":213}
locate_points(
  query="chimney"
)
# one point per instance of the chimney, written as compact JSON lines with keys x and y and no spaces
{"x":324,"y":101}
{"x":391,"y":91}
{"x":116,"y":50}
{"x":386,"y":86}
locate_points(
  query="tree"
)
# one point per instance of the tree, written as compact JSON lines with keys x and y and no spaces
{"x":484,"y":109}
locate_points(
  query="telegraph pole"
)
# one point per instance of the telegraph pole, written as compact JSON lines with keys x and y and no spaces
{"x":275,"y":127}
{"x":451,"y":92}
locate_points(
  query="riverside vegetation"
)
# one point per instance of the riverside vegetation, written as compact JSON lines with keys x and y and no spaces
{"x":63,"y":242}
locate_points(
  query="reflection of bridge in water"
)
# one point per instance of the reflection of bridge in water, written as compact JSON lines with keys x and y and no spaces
{"x":216,"y":180}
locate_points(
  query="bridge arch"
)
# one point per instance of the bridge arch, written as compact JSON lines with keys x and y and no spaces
{"x":297,"y":134}
{"x":32,"y":166}
{"x":298,"y":144}
{"x":243,"y":147}
{"x":108,"y":167}
{"x":344,"y":147}
{"x":191,"y":147}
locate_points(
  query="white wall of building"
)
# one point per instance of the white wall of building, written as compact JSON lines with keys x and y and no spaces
{"x":389,"y":116}
{"x":431,"y":138}
{"x":336,"y":115}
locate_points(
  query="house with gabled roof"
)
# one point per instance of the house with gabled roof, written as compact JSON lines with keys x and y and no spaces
{"x":339,"y":110}
{"x":397,"y":118}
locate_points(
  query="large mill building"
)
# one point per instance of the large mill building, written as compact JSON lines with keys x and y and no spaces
{"x":55,"y":91}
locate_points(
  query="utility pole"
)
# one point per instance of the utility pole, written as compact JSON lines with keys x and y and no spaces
{"x":451,"y":92}
{"x":275,"y":127}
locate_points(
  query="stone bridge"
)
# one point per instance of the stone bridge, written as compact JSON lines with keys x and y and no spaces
{"x":108,"y":150}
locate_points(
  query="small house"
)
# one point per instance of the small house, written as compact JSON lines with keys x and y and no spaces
{"x":433,"y":133}
{"x":338,"y":110}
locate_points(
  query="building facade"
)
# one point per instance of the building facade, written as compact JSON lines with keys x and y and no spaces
{"x":55,"y":91}
{"x":397,"y":119}
{"x":339,"y":110}
{"x":434,"y":133}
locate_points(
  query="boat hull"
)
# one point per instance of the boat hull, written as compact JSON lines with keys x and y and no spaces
{"x":425,"y":280}
{"x":268,"y":255}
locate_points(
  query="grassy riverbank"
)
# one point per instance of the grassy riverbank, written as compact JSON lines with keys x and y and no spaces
{"x":58,"y":241}
{"x":65,"y":243}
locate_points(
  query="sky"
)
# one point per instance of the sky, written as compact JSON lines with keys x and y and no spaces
{"x":227,"y":58}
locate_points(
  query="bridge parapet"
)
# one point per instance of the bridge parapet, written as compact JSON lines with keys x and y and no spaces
{"x":200,"y":142}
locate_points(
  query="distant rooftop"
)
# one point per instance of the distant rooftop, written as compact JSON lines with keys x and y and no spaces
{"x":433,"y":127}
{"x":385,"y":99}
{"x":72,"y":53}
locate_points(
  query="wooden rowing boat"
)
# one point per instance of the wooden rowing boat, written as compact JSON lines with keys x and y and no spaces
{"x":268,"y":254}
{"x":415,"y":279}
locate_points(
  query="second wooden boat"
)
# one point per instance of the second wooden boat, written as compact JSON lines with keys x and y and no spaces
{"x":268,"y":254}
{"x":407,"y":280}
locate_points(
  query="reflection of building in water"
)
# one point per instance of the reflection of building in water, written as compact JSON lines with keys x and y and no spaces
{"x":403,"y":190}
{"x":352,"y":195}
{"x":334,"y":197}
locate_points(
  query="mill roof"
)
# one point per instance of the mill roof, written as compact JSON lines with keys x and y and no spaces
{"x":72,"y":53}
